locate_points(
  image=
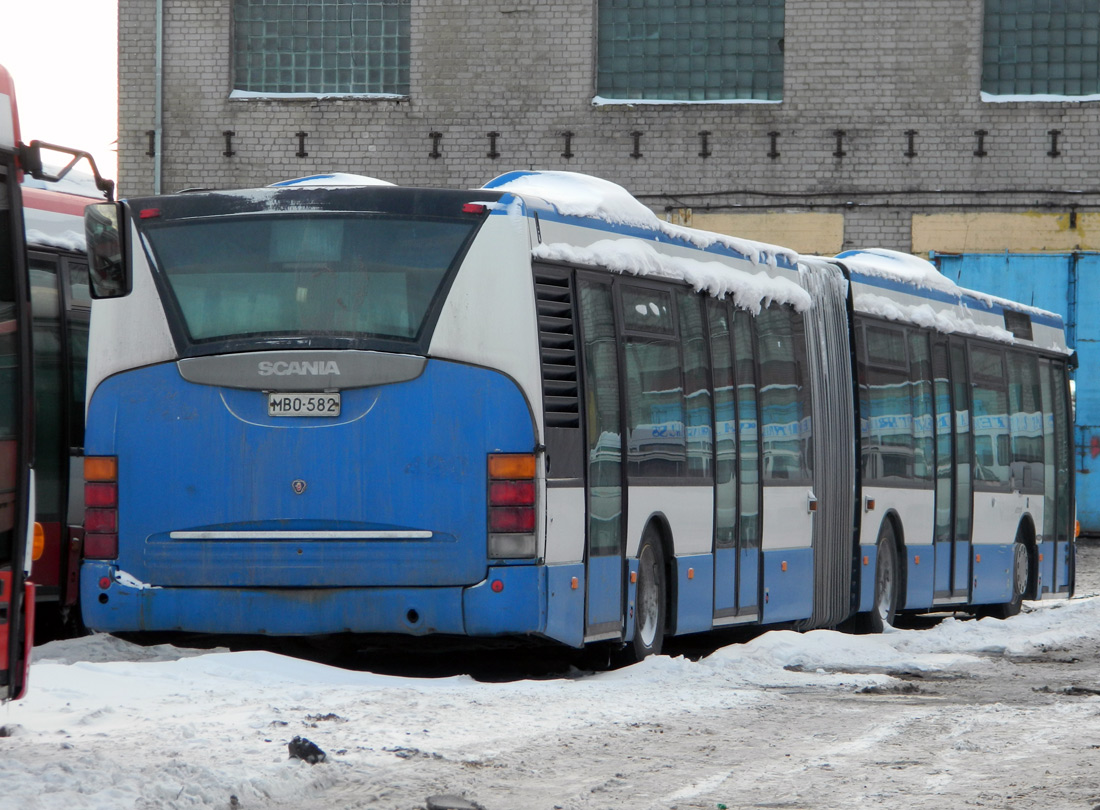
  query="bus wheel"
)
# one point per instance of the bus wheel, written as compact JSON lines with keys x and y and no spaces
{"x":1021,"y":573}
{"x":885,"y":605}
{"x":649,"y":611}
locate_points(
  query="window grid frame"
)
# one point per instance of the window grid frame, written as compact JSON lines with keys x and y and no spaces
{"x":322,"y":47}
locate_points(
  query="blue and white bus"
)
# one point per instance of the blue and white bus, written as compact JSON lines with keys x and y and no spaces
{"x":537,"y":410}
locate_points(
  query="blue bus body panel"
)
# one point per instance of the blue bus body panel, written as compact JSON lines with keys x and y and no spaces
{"x":694,"y":590}
{"x":788,"y":585}
{"x":407,"y":458}
{"x":534,"y":600}
{"x":920,"y":576}
{"x":992,"y":574}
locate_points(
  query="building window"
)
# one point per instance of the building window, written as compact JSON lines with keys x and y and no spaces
{"x":678,"y":50}
{"x":322,"y":47}
{"x":1041,"y":47}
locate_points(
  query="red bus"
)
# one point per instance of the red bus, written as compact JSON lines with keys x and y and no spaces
{"x":20,"y":543}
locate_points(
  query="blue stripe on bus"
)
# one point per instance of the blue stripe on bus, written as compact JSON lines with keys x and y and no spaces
{"x":963,"y":299}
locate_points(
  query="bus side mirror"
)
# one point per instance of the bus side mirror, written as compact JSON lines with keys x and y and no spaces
{"x":108,"y":269}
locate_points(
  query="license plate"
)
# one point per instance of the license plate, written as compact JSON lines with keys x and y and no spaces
{"x":303,"y":404}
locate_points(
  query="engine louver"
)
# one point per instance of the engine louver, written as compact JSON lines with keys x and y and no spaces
{"x":558,"y":348}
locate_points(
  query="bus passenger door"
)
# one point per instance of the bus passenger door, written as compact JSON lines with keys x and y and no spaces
{"x":736,"y":477}
{"x":604,"y":473}
{"x":944,"y":531}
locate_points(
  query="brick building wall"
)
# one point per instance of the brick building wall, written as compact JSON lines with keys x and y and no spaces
{"x":859,"y":76}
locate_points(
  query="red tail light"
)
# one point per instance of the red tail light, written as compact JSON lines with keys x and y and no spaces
{"x":511,"y":493}
{"x":101,"y":507}
{"x":512,"y":502}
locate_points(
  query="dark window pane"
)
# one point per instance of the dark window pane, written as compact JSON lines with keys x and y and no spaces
{"x":346,"y":274}
{"x":725,"y":424}
{"x":655,"y":398}
{"x":604,"y":434}
{"x":680,"y":51}
{"x":700,"y":438}
{"x":992,"y":445}
{"x":784,"y":411}
{"x":49,"y":388}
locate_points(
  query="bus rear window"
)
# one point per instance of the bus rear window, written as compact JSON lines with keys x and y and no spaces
{"x":307,"y":274}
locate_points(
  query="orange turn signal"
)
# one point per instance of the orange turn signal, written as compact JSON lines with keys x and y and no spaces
{"x":39,"y":542}
{"x":512,"y":465}
{"x":100,"y":468}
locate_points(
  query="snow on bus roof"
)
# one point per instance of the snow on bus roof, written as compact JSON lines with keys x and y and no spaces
{"x":573,"y":194}
{"x":332,"y":179}
{"x":748,"y":290}
{"x":921,"y":273}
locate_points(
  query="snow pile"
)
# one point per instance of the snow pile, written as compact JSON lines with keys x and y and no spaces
{"x":108,"y":724}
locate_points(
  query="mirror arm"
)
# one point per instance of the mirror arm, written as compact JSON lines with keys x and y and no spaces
{"x":31,"y":159}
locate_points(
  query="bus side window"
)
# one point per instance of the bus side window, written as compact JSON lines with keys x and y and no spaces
{"x":990,"y":418}
{"x":49,"y":383}
{"x":888,"y":452}
{"x":76,"y":323}
{"x":784,"y":395}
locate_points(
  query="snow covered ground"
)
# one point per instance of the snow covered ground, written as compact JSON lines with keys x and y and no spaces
{"x":963,"y":714}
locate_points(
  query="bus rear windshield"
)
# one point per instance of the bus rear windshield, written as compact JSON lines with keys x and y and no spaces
{"x":307,"y":274}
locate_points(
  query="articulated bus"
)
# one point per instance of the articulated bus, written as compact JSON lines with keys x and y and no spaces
{"x":535,"y":410}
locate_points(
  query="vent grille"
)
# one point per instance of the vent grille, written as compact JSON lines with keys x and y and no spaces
{"x":1019,"y":324}
{"x":558,"y":349}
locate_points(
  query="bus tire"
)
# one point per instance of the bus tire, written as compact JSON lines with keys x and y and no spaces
{"x":884,"y":608}
{"x":1020,"y":578}
{"x":649,"y":600}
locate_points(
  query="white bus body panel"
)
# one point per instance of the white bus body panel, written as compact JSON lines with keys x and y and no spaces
{"x":997,"y":516}
{"x":788,"y":521}
{"x":495,"y":280}
{"x":689,"y":511}
{"x":132,"y":331}
{"x":565,"y":525}
{"x":915,"y":509}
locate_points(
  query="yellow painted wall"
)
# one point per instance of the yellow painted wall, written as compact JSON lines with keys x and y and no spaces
{"x":1028,"y":232}
{"x":809,"y":232}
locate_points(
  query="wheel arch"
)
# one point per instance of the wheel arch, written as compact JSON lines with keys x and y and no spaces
{"x":660,"y":523}
{"x":1026,"y":534}
{"x":893,"y":517}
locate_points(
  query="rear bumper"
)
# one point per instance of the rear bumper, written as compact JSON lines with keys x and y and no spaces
{"x":529,"y":600}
